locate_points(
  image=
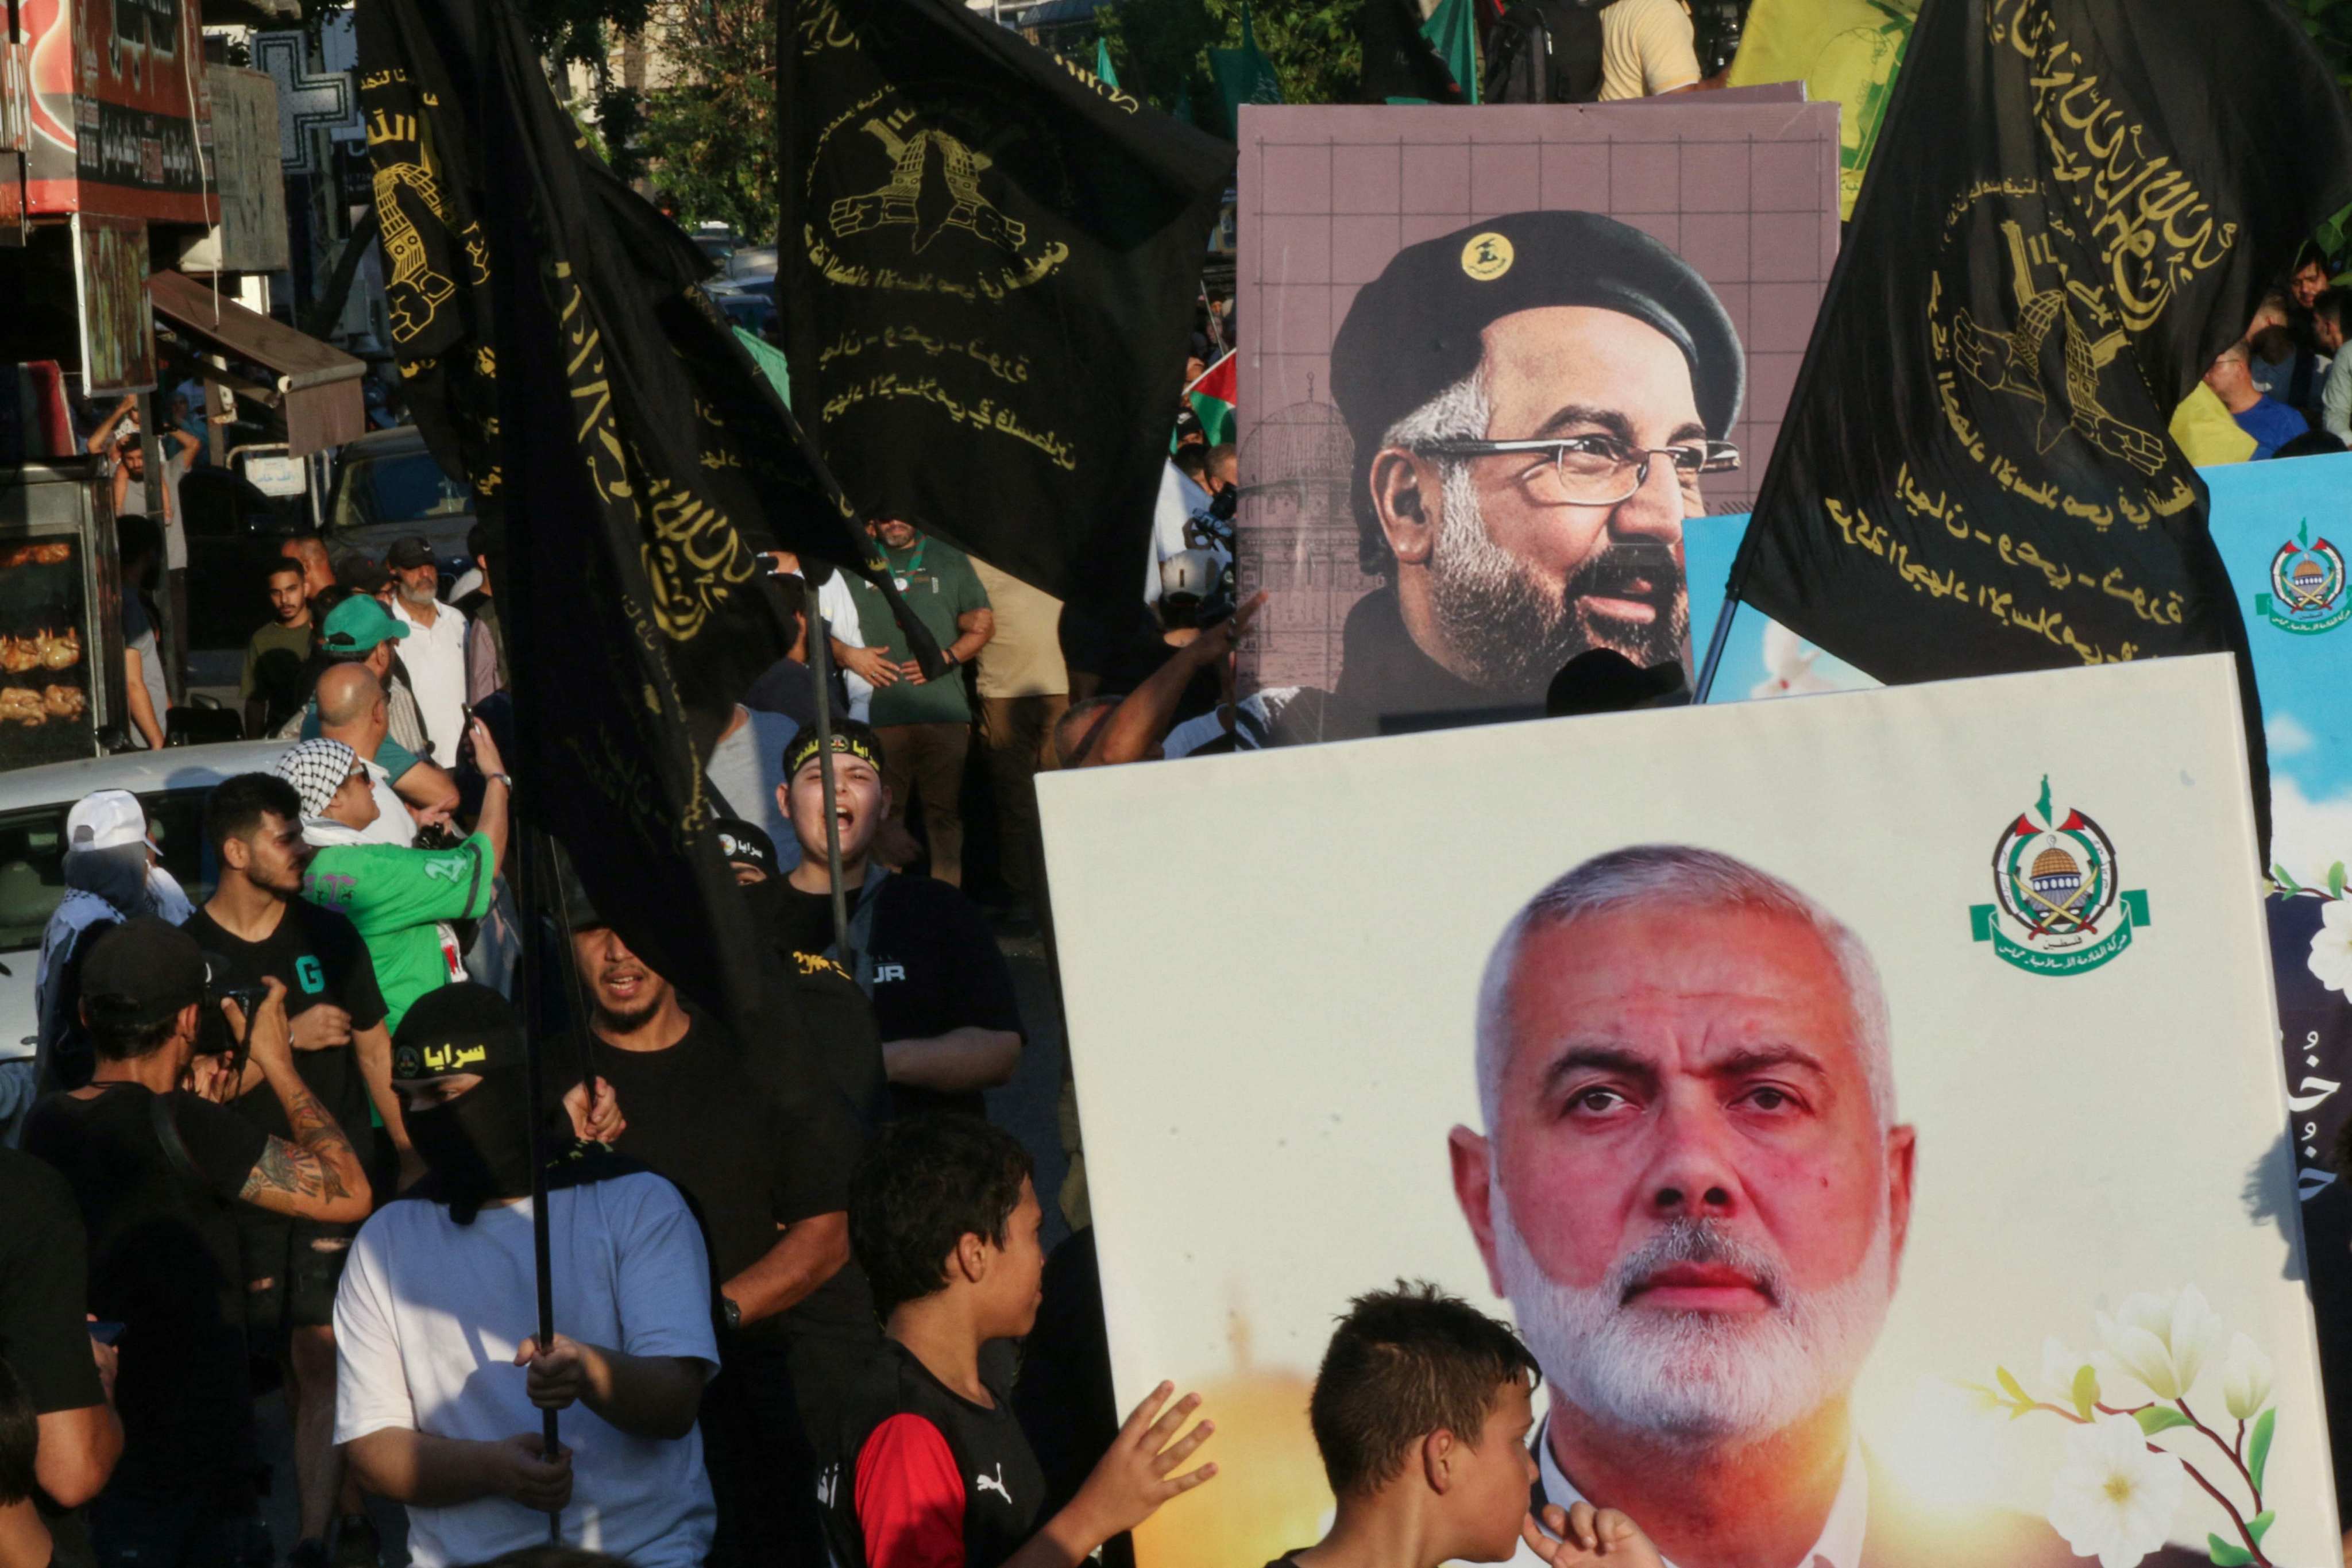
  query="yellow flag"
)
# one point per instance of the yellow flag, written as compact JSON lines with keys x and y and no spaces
{"x":1844,"y":51}
{"x":2202,"y":429}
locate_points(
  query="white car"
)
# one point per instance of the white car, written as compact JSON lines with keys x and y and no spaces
{"x":171,"y":785}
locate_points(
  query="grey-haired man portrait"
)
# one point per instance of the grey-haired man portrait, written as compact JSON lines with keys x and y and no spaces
{"x":1694,"y":1190}
{"x":1534,"y":400}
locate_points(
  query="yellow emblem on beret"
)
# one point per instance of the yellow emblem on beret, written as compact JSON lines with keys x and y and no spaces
{"x":1487,"y":257}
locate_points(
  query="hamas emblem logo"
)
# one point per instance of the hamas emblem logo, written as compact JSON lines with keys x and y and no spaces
{"x":2059,"y":909}
{"x":2306,"y":594}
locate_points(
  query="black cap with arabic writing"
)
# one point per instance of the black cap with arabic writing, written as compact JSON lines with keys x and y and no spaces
{"x":458,"y":1029}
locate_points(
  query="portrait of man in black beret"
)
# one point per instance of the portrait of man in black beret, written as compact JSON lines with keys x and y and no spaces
{"x":1534,"y":402}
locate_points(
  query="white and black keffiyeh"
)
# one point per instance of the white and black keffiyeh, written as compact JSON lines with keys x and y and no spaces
{"x":317,"y":769}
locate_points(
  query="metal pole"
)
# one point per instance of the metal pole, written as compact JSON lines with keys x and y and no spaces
{"x":1714,"y":645}
{"x":820,"y":658}
{"x":527,"y":900}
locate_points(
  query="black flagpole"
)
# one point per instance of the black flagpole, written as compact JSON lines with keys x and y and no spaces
{"x":1714,"y":644}
{"x":527,"y":891}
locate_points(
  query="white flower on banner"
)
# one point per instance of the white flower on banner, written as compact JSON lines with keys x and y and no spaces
{"x":2112,"y":1499}
{"x":2059,"y":1365}
{"x":2331,"y":946}
{"x":2245,"y":1378}
{"x":2163,"y":1341}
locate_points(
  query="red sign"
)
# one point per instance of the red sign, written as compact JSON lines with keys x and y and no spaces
{"x":121,"y":122}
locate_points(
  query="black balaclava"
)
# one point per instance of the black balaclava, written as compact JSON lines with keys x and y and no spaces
{"x":478,"y":1146}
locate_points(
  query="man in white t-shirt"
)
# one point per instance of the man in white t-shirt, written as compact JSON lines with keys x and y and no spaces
{"x":440,"y":1378}
{"x":434,"y":652}
{"x":1647,"y":48}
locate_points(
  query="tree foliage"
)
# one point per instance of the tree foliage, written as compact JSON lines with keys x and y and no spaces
{"x":710,"y":138}
{"x":1161,"y":47}
{"x":2329,"y":23}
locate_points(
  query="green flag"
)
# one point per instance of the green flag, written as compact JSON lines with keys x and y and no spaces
{"x":771,"y":360}
{"x":1453,"y":31}
{"x":1108,"y":77}
{"x":1244,"y":75}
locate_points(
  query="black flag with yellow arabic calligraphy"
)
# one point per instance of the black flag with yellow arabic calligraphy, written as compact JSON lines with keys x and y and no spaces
{"x":577,"y":373}
{"x":2076,"y":205}
{"x":986,"y":267}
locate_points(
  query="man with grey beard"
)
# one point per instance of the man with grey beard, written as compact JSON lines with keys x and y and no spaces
{"x":434,"y":649}
{"x":1693,"y":1190}
{"x":1533,"y":401}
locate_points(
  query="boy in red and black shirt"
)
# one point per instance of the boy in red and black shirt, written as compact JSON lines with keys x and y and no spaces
{"x":930,"y":1470}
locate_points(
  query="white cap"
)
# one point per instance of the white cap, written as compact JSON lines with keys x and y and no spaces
{"x":105,"y":819}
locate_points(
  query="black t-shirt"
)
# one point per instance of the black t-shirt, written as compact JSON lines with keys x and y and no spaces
{"x":820,"y":1015}
{"x":919,"y":1461}
{"x":164,"y":1263}
{"x":936,"y":967}
{"x":318,"y":956}
{"x":44,"y":1279}
{"x":751,"y":1145}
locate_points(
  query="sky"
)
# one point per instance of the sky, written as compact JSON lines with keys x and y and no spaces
{"x":2305,"y":680}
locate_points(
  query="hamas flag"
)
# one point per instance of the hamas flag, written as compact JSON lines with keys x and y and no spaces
{"x":557,"y":349}
{"x":1973,"y":475}
{"x":1409,"y":60}
{"x":986,"y":271}
{"x":1244,"y":75}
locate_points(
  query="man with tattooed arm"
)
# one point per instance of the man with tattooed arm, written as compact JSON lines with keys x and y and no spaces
{"x":257,"y":929}
{"x":160,"y":1169}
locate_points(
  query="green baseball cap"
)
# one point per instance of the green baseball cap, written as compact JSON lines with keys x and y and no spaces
{"x":356,"y":625}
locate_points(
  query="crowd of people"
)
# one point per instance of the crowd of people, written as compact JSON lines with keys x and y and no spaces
{"x":285,"y":1139}
{"x":288,"y":1136}
{"x":2287,"y":384}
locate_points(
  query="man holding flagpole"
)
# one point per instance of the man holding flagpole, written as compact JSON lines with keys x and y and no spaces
{"x":442,"y":1381}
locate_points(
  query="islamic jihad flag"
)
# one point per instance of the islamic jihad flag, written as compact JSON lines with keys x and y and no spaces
{"x":1974,"y":476}
{"x":986,"y":268}
{"x":558,"y":349}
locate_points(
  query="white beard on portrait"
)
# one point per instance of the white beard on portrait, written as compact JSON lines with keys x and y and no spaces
{"x":1690,"y":1382}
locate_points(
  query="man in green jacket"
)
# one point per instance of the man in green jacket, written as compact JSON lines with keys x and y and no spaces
{"x":402,"y":900}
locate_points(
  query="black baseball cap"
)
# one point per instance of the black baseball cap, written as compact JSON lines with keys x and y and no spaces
{"x":746,"y":843}
{"x":413,"y":551}
{"x":142,"y":972}
{"x":362,"y":574}
{"x":464,"y":1027}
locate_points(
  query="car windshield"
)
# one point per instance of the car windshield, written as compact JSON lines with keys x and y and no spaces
{"x":32,"y":859}
{"x":406,"y":487}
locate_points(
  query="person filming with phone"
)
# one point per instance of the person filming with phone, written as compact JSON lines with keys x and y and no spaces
{"x":160,"y":1168}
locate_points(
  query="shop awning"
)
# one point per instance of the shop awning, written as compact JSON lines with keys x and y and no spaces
{"x":316,"y":386}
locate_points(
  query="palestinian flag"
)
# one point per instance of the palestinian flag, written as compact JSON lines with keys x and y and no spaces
{"x":1212,"y":399}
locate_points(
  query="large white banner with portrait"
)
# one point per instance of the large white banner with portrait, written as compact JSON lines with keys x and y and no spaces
{"x":1873,"y":1125}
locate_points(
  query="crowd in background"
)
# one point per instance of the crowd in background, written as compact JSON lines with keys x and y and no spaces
{"x":2287,"y":384}
{"x":284,"y":1148}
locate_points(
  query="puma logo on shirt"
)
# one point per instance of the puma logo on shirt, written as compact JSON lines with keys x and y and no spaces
{"x":993,"y":1483}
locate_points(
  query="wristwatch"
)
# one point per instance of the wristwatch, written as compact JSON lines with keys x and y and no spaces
{"x":731,"y":1312}
{"x":506,"y":779}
